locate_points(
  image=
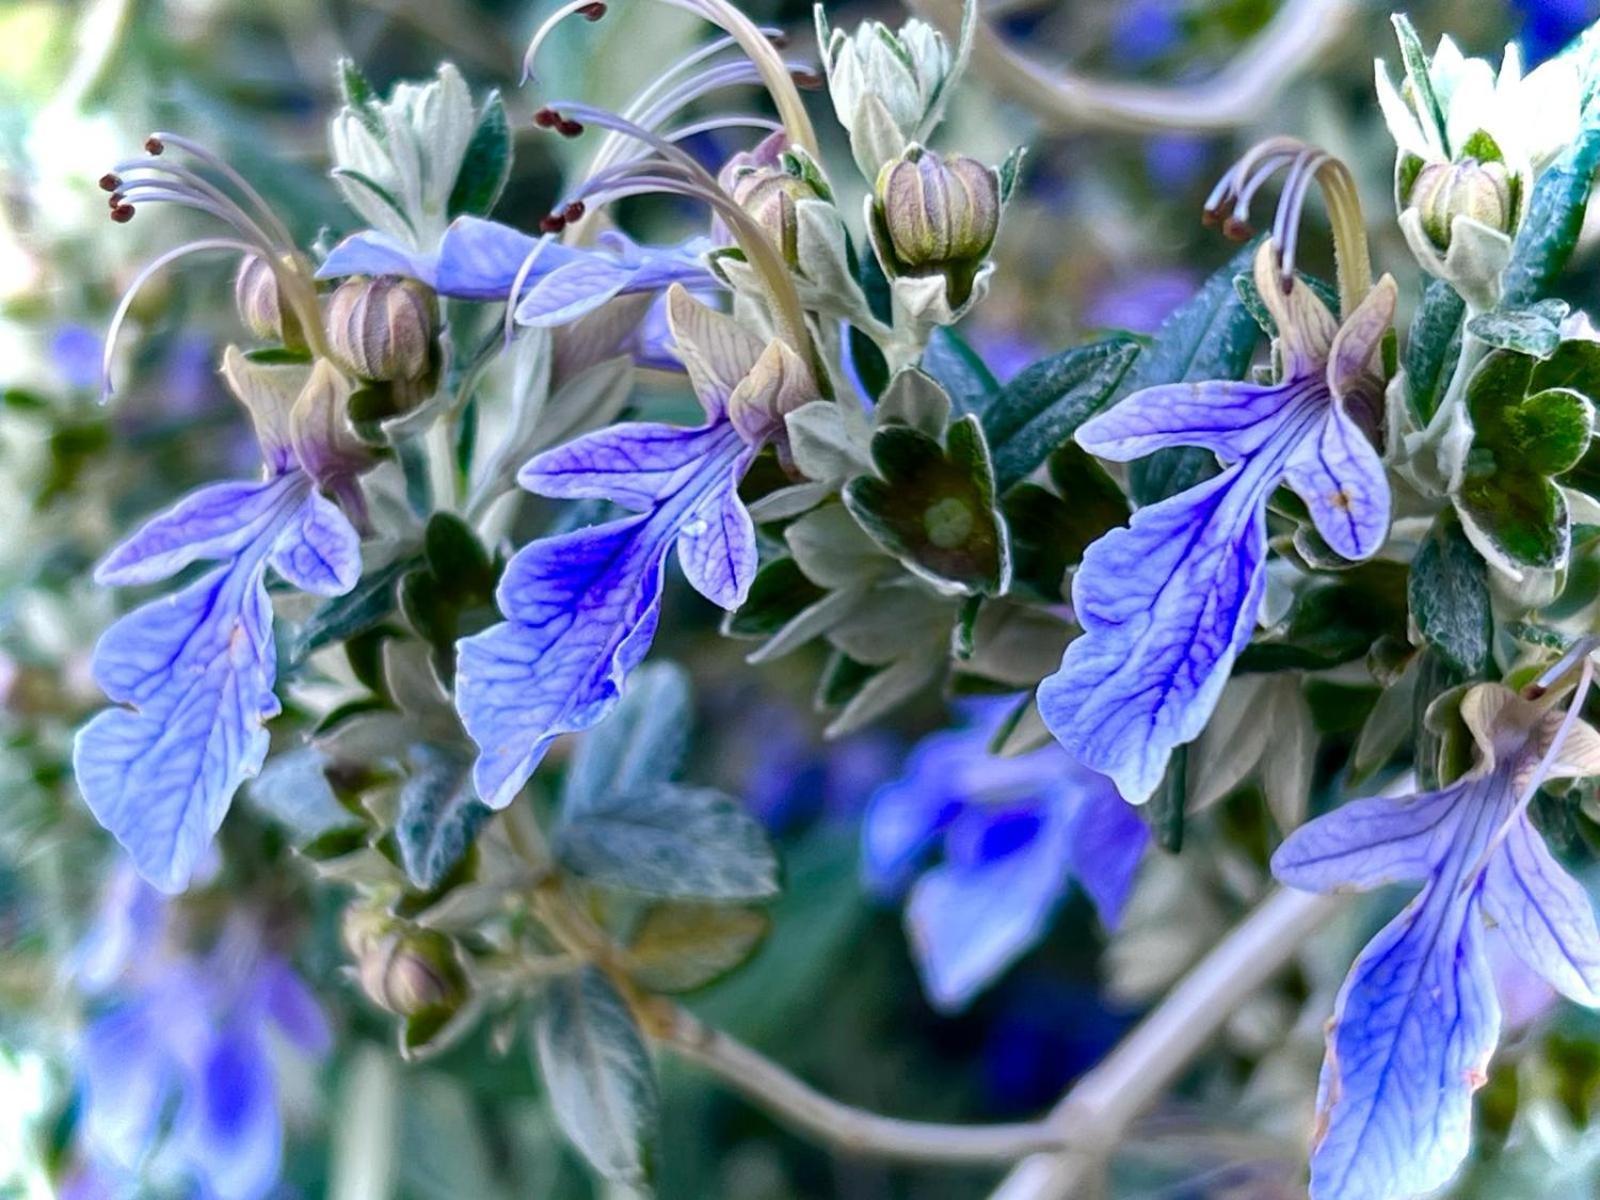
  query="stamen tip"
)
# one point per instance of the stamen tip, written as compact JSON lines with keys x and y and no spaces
{"x":122,"y":214}
{"x":593,"y":12}
{"x":154,"y":145}
{"x":569,"y":129}
{"x":574,"y":211}
{"x":552,"y":223}
{"x":546,"y":118}
{"x":110,"y":181}
{"x":1236,"y":230}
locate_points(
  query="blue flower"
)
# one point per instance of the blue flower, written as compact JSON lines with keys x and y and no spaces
{"x":195,"y":1038}
{"x":193,"y":671}
{"x":1015,"y":833}
{"x":1417,"y":1020}
{"x":581,"y":608}
{"x":1167,"y":603}
{"x":482,"y":260}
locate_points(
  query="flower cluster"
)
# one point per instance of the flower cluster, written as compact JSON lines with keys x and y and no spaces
{"x":1269,"y":547}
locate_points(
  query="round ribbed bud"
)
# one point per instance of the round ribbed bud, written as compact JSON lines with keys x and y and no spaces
{"x":769,"y":195}
{"x":938,"y":213}
{"x":1480,"y":191}
{"x":383,"y":329}
{"x":255,"y":293}
{"x":407,"y":971}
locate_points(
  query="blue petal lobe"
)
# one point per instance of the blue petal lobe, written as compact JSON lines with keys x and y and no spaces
{"x":630,"y":464}
{"x":1413,"y":1030}
{"x":229,"y":1129}
{"x":568,"y":292}
{"x":214,"y":522}
{"x":1371,"y":843}
{"x":1339,"y":475}
{"x":1545,"y":916}
{"x":1166,"y":604}
{"x":319,"y":551}
{"x":1108,"y":842}
{"x":374,"y":253}
{"x":582,"y":611}
{"x":972,"y":916}
{"x":717,"y":541}
{"x":1234,"y":420}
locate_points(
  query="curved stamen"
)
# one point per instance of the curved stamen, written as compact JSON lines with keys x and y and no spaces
{"x":684,"y":65}
{"x":142,"y":192}
{"x":143,"y":277}
{"x":517,"y":281}
{"x":155,"y":171}
{"x":1305,"y":163}
{"x":279,"y":230}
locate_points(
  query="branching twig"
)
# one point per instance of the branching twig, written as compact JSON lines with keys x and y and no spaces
{"x":1233,"y":96}
{"x":844,"y":1128}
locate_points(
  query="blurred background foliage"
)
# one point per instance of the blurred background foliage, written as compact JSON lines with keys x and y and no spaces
{"x":1105,"y":234}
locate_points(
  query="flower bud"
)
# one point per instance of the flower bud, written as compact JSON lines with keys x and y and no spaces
{"x":384,"y":329}
{"x":255,"y":292}
{"x":1480,"y":191}
{"x":767,"y":183}
{"x":936,"y":214}
{"x":407,"y":971}
{"x":902,"y":71}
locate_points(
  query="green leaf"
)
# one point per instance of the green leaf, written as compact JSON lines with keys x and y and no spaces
{"x":778,"y":594}
{"x":1211,"y":336}
{"x":1554,"y":219}
{"x":1038,"y":411}
{"x":959,"y":369}
{"x":371,"y":185}
{"x":452,"y":593}
{"x":598,"y":1075}
{"x":486,"y":166}
{"x":1432,"y":344}
{"x":1244,"y":284}
{"x":359,"y":95}
{"x":680,"y":947}
{"x":1415,"y":59}
{"x":642,"y":742}
{"x":1531,"y":421}
{"x":934,"y":508}
{"x":1050,"y":530}
{"x":438,"y":813}
{"x":365,"y":606}
{"x":671,"y":841}
{"x":1334,"y":621}
{"x":1535,"y":330}
{"x":1449,"y":595}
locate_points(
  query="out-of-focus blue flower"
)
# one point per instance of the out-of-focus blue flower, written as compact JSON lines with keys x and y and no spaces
{"x":1047,"y":1033}
{"x":1144,"y":30}
{"x":1167,"y":603}
{"x":1139,"y":302}
{"x":582,"y":607}
{"x":193,"y":672}
{"x":789,"y":778}
{"x":1417,"y":1020}
{"x":189,"y":1037}
{"x":1013,"y":835}
{"x":75,"y":351}
{"x":1174,"y":161}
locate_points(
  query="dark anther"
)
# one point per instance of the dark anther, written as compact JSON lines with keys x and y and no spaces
{"x":122,"y":214}
{"x":554,"y":223}
{"x":593,"y":12}
{"x":569,"y":129}
{"x":547,"y":118}
{"x":110,"y":182}
{"x":1236,"y":230}
{"x":115,"y":200}
{"x":574,"y":211}
{"x":154,"y":145}
{"x":809,"y":81}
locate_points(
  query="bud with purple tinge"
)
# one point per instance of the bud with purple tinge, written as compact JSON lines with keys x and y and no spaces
{"x":255,"y":292}
{"x":936,"y":214}
{"x":385,"y":330}
{"x":407,"y":971}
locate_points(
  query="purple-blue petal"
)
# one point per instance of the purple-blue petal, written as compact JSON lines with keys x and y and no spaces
{"x":1107,"y":843}
{"x":717,"y":539}
{"x":126,"y":1077}
{"x":228,"y":1128}
{"x":574,"y":289}
{"x":1165,"y":604}
{"x":973,"y":916}
{"x":632,"y":464}
{"x":1412,"y":1033}
{"x":1339,"y":475}
{"x":1234,"y":420}
{"x":1543,"y":914}
{"x":215,"y":522}
{"x":285,"y":998}
{"x":582,"y":610}
{"x":374,"y":253}
{"x":319,"y":551}
{"x":1371,"y":843}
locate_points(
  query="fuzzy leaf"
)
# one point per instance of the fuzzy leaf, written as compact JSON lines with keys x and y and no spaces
{"x":640,"y":744}
{"x":1432,"y":344}
{"x":1449,"y":595}
{"x":672,"y":842}
{"x":680,"y":947}
{"x":439,"y":816}
{"x":486,"y":165}
{"x":1535,"y":330}
{"x":599,"y":1077}
{"x":1553,"y":220}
